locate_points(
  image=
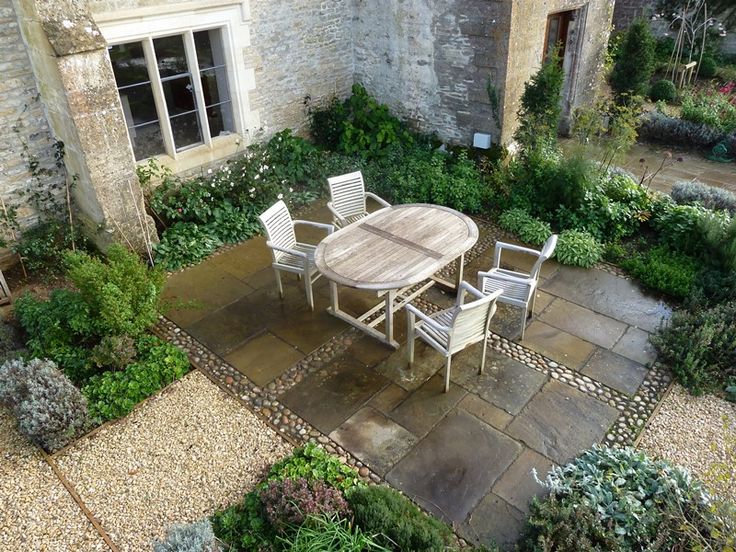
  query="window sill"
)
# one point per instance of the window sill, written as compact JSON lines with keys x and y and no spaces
{"x":201,"y":156}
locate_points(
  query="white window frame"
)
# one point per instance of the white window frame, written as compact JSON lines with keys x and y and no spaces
{"x":145,"y":26}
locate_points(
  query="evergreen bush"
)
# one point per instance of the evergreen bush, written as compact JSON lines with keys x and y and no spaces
{"x":636,"y":61}
{"x":663,"y":90}
{"x":192,"y":537}
{"x":541,"y":105}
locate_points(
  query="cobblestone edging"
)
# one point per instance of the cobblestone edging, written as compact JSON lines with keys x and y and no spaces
{"x":264,"y":401}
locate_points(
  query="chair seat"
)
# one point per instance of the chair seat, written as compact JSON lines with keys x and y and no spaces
{"x":445,"y":319}
{"x":296,"y":262}
{"x":347,"y":221}
{"x":512,"y":291}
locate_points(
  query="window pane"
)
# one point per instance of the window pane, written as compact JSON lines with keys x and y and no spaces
{"x":209,"y":48}
{"x":186,"y":130}
{"x":170,"y":56}
{"x":179,"y":94}
{"x":138,"y":104}
{"x":214,"y":85}
{"x":146,"y":140}
{"x":128,"y":63}
{"x":220,"y":119}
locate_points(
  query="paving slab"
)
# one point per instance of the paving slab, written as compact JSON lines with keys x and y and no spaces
{"x":507,"y":321}
{"x":368,"y":350}
{"x":505,"y":382}
{"x":451,"y":469}
{"x":427,"y":362}
{"x":558,"y":345}
{"x":264,"y":358}
{"x":583,"y":323}
{"x":608,"y":294}
{"x":427,"y":405}
{"x":494,"y":520}
{"x":329,"y":397}
{"x":306,"y":329}
{"x":542,"y":301}
{"x":485,"y":411}
{"x":560,"y":422}
{"x":615,"y":371}
{"x":245,"y":258}
{"x":376,"y":440}
{"x":389,"y":398}
{"x":635,"y":345}
{"x":517,"y":485}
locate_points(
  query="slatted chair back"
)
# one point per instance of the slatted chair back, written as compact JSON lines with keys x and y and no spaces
{"x":279,"y":227}
{"x":471,"y":320}
{"x":348,"y":194}
{"x":547,"y":251}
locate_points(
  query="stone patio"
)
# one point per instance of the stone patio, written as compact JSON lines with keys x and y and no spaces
{"x":582,"y":375}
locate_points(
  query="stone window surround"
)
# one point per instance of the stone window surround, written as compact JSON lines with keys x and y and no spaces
{"x":232,"y":18}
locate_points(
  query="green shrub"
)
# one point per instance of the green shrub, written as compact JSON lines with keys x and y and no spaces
{"x":708,"y":68}
{"x":312,"y":463}
{"x":330,"y":534}
{"x":699,"y":345}
{"x":578,"y":248}
{"x":244,"y":527}
{"x":534,"y":231}
{"x":711,"y":108}
{"x":658,"y":127}
{"x":693,"y":192}
{"x":663,"y":90}
{"x":397,"y":523}
{"x":192,"y":537}
{"x":664,"y":270}
{"x":185,"y":243}
{"x":49,"y":409}
{"x":111,"y":395}
{"x":513,"y":219}
{"x":43,"y":247}
{"x":541,"y":105}
{"x":636,"y":62}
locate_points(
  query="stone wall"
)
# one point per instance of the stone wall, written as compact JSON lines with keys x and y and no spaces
{"x":24,"y":129}
{"x":627,"y":10}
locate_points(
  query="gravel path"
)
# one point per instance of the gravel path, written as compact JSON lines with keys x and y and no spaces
{"x":36,"y":511}
{"x":689,"y":431}
{"x":178,"y":458}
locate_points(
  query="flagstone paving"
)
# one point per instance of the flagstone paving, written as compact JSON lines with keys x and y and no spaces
{"x":466,"y":455}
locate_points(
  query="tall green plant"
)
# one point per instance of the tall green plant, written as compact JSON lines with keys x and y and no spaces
{"x":636,"y":62}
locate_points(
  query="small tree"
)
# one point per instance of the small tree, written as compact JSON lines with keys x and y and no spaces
{"x":541,"y":105}
{"x":636,"y":62}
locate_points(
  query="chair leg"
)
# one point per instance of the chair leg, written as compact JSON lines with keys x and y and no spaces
{"x":531,"y":304}
{"x":410,"y":338}
{"x":483,"y":357}
{"x":279,"y":285}
{"x":523,"y":323}
{"x":308,"y":289}
{"x":447,"y":373}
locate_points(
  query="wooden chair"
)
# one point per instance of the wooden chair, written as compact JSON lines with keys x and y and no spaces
{"x":451,"y":330}
{"x":348,"y":195}
{"x":288,"y":254}
{"x":519,"y":288}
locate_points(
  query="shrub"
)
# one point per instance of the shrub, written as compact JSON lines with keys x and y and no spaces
{"x":244,"y":527}
{"x":114,"y":394}
{"x":330,"y":534}
{"x":397,"y":522}
{"x":192,"y":537}
{"x":711,"y":108}
{"x":578,"y":248}
{"x":699,"y":345}
{"x":311,"y":462}
{"x":114,"y":351}
{"x":708,"y":68}
{"x":541,"y":105}
{"x":49,"y":409}
{"x":658,"y":127}
{"x":710,"y":197}
{"x":290,"y":502}
{"x":185,"y":243}
{"x":43,"y":247}
{"x":534,"y":231}
{"x":636,"y":62}
{"x":513,"y":219}
{"x":692,"y":229}
{"x":663,"y":90}
{"x":664,"y":270}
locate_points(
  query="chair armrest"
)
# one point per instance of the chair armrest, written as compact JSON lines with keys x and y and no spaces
{"x":334,"y":212}
{"x":426,"y":319}
{"x":500,"y":246}
{"x":465,"y":287}
{"x":328,"y":227}
{"x":287,"y":250}
{"x":504,"y":277}
{"x":378,"y":199}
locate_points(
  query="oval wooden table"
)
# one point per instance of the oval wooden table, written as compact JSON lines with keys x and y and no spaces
{"x":392,"y":251}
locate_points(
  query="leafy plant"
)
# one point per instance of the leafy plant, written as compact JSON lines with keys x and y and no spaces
{"x":658,"y":127}
{"x":192,"y":537}
{"x":49,"y":409}
{"x":330,"y":534}
{"x":663,"y":90}
{"x":111,"y":395}
{"x":708,"y":67}
{"x":578,"y":248}
{"x":244,"y":527}
{"x":43,"y":246}
{"x":114,"y":351}
{"x":397,"y":523}
{"x":290,"y":502}
{"x":534,"y":231}
{"x":710,"y":108}
{"x":664,"y":270}
{"x":693,"y":192}
{"x":636,"y":61}
{"x":185,"y":243}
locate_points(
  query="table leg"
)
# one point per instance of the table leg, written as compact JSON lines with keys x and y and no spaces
{"x":459,"y":272}
{"x":389,"y":322}
{"x":334,"y":301}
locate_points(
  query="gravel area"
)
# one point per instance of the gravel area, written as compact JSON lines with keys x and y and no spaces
{"x":179,"y":457}
{"x":689,"y":431}
{"x":36,"y":511}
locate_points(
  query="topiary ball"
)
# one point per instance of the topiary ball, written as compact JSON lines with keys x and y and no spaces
{"x":708,"y":68}
{"x":663,"y":90}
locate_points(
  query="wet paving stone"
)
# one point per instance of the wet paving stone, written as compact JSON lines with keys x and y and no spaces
{"x":608,"y":294}
{"x":389,"y":398}
{"x":485,"y":411}
{"x":369,"y":351}
{"x":494,"y":520}
{"x":307,"y":329}
{"x":583,"y":323}
{"x":506,"y":383}
{"x":374,"y":439}
{"x":427,"y":405}
{"x":427,"y":362}
{"x":264,"y":358}
{"x":560,"y":346}
{"x":635,"y":345}
{"x":517,"y":485}
{"x":559,"y":422}
{"x":615,"y":371}
{"x":454,"y":466}
{"x":330,"y":396}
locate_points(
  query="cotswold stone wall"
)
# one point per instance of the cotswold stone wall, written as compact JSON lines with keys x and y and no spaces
{"x":24,"y":129}
{"x":627,"y":10}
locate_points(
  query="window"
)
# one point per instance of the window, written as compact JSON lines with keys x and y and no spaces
{"x":558,"y":25}
{"x":174,"y":91}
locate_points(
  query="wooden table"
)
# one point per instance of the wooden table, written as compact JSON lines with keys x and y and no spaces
{"x":395,"y":252}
